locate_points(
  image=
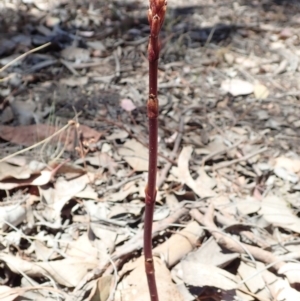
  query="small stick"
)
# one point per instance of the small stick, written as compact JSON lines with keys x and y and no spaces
{"x":156,"y":16}
{"x":24,"y":55}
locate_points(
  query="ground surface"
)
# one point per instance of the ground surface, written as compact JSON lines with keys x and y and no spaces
{"x":71,"y":213}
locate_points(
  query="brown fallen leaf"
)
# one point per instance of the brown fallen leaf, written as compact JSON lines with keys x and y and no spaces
{"x":135,"y":288}
{"x":30,"y":134}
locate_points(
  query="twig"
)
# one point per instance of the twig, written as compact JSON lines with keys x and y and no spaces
{"x":69,"y":67}
{"x":119,"y":185}
{"x":227,"y":243}
{"x":220,"y":152}
{"x":24,"y":55}
{"x":244,"y":158}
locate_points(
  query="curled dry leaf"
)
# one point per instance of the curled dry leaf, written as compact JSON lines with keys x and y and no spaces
{"x":203,"y":185}
{"x":40,"y":179}
{"x":186,"y":239}
{"x":62,"y":192}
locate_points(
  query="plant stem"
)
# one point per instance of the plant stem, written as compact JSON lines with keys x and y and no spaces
{"x":156,"y":15}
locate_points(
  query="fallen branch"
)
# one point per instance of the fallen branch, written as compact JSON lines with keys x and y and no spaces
{"x":228,"y":243}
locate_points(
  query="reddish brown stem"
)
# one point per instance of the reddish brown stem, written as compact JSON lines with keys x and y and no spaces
{"x":156,"y":15}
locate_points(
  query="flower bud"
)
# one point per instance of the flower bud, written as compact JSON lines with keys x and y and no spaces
{"x":150,"y":16}
{"x":162,"y":15}
{"x":152,"y":6}
{"x":155,"y":26}
{"x":159,"y":4}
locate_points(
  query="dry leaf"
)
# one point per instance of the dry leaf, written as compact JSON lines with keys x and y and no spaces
{"x":290,"y":164}
{"x":202,"y":186}
{"x":211,"y":253}
{"x":286,"y":175}
{"x":135,"y":287}
{"x":62,"y":192}
{"x":67,"y":272}
{"x":292,"y":271}
{"x":237,"y":87}
{"x":247,"y":206}
{"x":161,"y":213}
{"x":13,"y":214}
{"x":9,"y":294}
{"x":186,"y":239}
{"x":82,"y":248}
{"x":135,"y":154}
{"x":201,"y":274}
{"x":277,"y":212}
{"x":34,"y":180}
{"x":103,"y":288}
{"x":255,"y":282}
{"x":280,"y":287}
{"x":12,"y":171}
{"x":80,"y":55}
{"x":261,"y":91}
{"x":31,"y":134}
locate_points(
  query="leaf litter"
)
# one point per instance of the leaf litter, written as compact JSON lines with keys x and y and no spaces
{"x":72,"y":201}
